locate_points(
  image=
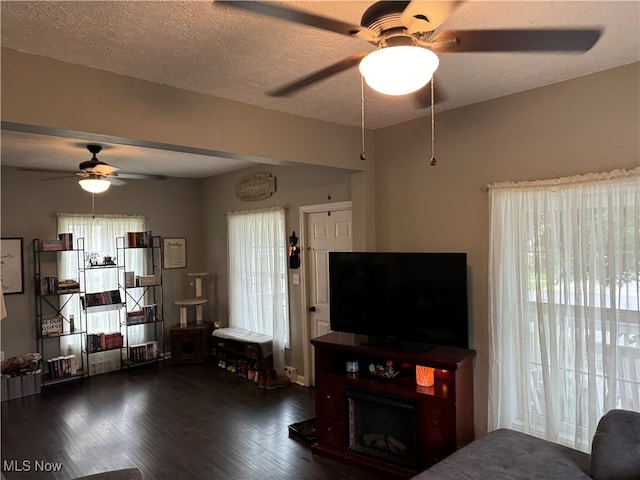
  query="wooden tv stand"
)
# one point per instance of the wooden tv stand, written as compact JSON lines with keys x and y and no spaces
{"x":443,"y":412}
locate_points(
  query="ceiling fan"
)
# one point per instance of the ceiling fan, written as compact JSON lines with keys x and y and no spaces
{"x":407,"y":42}
{"x":97,"y":176}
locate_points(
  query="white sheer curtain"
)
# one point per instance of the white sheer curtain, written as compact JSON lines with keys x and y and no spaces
{"x":100,"y":234}
{"x":258,"y":288}
{"x":564,"y":316}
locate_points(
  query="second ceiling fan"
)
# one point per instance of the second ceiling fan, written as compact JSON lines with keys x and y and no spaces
{"x":404,"y":33}
{"x":95,"y":175}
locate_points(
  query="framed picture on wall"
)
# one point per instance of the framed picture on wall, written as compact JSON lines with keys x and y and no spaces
{"x":174,"y":252}
{"x":11,"y":268}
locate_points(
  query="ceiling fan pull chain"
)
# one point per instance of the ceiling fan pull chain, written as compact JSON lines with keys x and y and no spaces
{"x":433,"y":161}
{"x":363,"y":155}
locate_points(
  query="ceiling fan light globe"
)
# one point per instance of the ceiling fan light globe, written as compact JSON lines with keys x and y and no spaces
{"x":399,"y":70}
{"x":94,"y":185}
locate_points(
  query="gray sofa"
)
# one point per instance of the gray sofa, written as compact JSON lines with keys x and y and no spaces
{"x":508,"y":455}
{"x":124,"y":474}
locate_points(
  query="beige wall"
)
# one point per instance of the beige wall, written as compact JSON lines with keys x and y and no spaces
{"x":590,"y":124}
{"x":54,"y":94}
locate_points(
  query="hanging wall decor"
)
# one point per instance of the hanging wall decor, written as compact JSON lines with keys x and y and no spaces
{"x":257,"y":186}
{"x":12,"y":266}
{"x":294,"y":251}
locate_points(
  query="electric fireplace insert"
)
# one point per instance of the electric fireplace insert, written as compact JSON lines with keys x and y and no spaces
{"x":381,"y":426}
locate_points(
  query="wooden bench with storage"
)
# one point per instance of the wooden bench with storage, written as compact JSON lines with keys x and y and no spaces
{"x":241,"y":349}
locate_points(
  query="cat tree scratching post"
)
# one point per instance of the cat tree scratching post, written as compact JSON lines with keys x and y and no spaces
{"x":198,"y":301}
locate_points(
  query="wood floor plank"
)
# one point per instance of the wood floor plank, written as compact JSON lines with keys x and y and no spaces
{"x":172,"y":421}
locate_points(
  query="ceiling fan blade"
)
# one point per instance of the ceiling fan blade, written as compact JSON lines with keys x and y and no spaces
{"x":298,"y":16}
{"x":115,"y":181}
{"x":537,"y":40}
{"x":139,"y":176}
{"x":420,"y":16}
{"x":422,"y":97}
{"x":55,"y":178}
{"x":72,"y":173}
{"x":326,"y":72}
{"x":46,"y":170}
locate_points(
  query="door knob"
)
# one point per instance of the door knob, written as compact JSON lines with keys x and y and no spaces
{"x":312,"y":309}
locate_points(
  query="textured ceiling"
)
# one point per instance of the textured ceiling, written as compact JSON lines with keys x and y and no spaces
{"x":209,"y":47}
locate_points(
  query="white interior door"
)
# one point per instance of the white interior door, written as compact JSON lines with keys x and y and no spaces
{"x":327,"y":231}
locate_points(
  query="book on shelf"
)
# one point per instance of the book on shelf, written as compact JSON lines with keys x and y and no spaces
{"x":68,"y":286}
{"x":50,"y":285}
{"x":146,"y":314}
{"x":67,"y":240}
{"x":62,"y":366}
{"x":135,"y":317}
{"x":139,"y":239}
{"x":146,"y":280}
{"x":129,"y":279}
{"x":143,"y":352}
{"x":150,"y":313}
{"x":52,"y":245}
{"x":99,"y":342}
{"x":109,"y":297}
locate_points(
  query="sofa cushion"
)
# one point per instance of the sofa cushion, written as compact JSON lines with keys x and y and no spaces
{"x":124,"y":474}
{"x":509,"y":455}
{"x":615,"y":450}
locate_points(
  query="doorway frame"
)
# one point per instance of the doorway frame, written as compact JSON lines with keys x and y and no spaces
{"x":304,"y":212}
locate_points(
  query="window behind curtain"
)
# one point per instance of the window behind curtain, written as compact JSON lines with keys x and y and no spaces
{"x":100,"y":234}
{"x":258,"y":290}
{"x":564,"y":315}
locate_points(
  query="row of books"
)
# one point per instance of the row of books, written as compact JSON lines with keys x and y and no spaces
{"x":139,"y":239}
{"x":52,"y":285}
{"x":99,"y":342}
{"x":62,"y":366}
{"x":147,"y":314}
{"x":109,"y":297}
{"x":64,"y":242}
{"x":143,"y":352}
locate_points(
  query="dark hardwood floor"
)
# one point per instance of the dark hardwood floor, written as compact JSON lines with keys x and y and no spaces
{"x":172,"y":422}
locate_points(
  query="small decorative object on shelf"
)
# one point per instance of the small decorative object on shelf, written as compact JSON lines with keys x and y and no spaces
{"x":384,"y":372}
{"x":92,"y":258}
{"x":424,"y":376}
{"x":352,"y":366}
{"x":52,"y":327}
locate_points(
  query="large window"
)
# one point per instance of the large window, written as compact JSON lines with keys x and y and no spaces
{"x":99,"y":234}
{"x":258,"y":290}
{"x":564,"y":316}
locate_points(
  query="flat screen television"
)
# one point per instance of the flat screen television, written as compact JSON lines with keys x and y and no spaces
{"x":400,"y":299}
